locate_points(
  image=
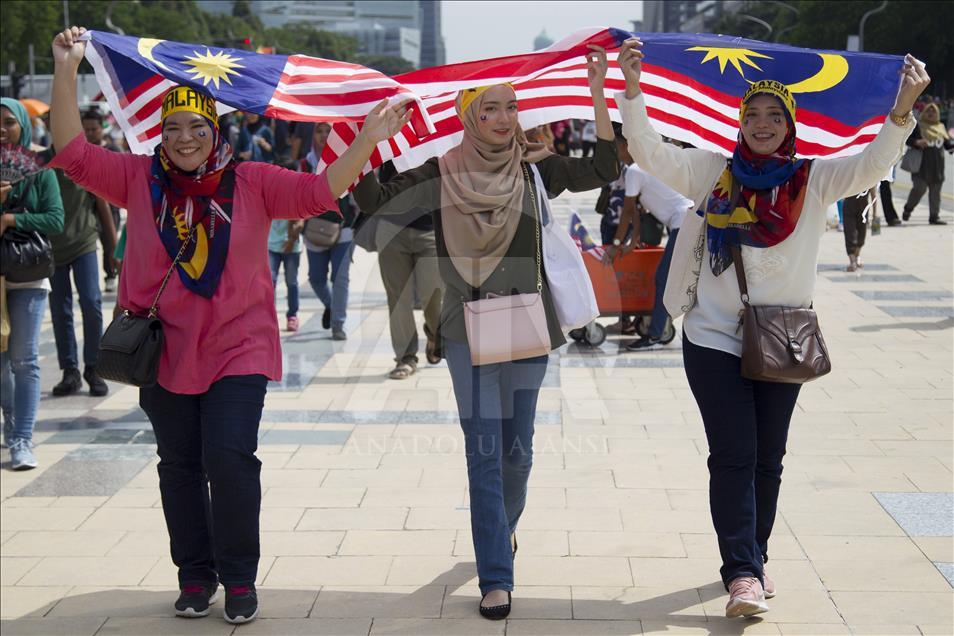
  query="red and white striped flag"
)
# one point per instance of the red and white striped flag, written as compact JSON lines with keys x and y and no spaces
{"x":134,"y":74}
{"x":692,"y":86}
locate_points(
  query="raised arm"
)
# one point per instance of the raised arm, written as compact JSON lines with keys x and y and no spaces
{"x":65,"y":120}
{"x":380,"y":124}
{"x":98,"y":170}
{"x":837,"y":178}
{"x":685,"y":171}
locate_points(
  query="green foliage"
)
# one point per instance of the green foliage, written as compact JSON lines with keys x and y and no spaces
{"x":387,"y":64}
{"x":23,"y":22}
{"x":919,"y":27}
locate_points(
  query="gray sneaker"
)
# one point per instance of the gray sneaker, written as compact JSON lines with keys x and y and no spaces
{"x":21,"y":454}
{"x":338,"y":333}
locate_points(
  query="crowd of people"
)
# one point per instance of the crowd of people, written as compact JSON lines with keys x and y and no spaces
{"x":232,"y":199}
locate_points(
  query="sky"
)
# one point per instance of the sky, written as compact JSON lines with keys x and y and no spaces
{"x":477,"y":30}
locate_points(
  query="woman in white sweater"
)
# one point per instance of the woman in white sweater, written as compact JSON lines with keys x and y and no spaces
{"x":778,"y":222}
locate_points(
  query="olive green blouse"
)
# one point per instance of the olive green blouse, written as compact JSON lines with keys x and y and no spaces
{"x":516,"y":273}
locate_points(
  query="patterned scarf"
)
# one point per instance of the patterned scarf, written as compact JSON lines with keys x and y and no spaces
{"x":204,"y":197}
{"x":756,"y":201}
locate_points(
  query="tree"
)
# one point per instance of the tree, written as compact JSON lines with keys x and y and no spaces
{"x":387,"y":64}
{"x":919,"y":27}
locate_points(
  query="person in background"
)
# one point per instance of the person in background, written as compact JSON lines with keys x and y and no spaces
{"x":669,"y":208}
{"x":256,"y":140}
{"x":329,"y":267}
{"x":29,"y":204}
{"x":588,"y":137}
{"x":284,"y":252}
{"x":614,"y":204}
{"x":74,"y":253}
{"x":407,"y":262}
{"x":932,"y":138}
{"x":858,"y":211}
{"x":93,"y":121}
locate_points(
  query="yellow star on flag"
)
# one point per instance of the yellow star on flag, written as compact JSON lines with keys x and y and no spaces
{"x":736,"y":57}
{"x":213,"y":68}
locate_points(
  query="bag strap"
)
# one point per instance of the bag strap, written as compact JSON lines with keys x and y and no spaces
{"x":740,"y":273}
{"x":536,"y":219}
{"x":154,"y":310}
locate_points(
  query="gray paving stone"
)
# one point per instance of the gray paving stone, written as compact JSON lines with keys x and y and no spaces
{"x":900,"y":311}
{"x":920,"y":514}
{"x":939,"y":294}
{"x":326,"y":438}
{"x":629,"y":361}
{"x":870,"y":267}
{"x":876,"y":278}
{"x":90,"y":471}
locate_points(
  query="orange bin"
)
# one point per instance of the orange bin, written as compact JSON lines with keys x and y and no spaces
{"x":628,"y":286}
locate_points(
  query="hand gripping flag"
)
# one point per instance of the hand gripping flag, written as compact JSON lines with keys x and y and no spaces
{"x":692,"y":86}
{"x":134,"y":73}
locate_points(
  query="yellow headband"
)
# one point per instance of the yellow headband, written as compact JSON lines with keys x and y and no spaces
{"x":773,"y":88}
{"x":187,"y":99}
{"x":468,"y":95}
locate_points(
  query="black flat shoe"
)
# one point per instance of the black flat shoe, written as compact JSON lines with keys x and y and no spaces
{"x":496,"y":612}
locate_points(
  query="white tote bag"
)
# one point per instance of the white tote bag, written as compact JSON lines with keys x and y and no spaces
{"x":570,"y":286}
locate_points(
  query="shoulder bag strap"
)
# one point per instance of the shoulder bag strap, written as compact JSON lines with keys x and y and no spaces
{"x":536,"y":220}
{"x":154,"y":310}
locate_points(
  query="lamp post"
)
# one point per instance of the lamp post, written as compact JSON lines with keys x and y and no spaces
{"x":758,"y":21}
{"x":864,"y":18}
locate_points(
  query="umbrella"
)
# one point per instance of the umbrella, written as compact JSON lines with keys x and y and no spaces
{"x":34,"y":107}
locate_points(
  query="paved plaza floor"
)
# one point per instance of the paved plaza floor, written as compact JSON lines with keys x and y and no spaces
{"x":365,"y":520}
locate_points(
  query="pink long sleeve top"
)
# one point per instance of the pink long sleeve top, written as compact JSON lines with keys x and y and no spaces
{"x":236,"y":331}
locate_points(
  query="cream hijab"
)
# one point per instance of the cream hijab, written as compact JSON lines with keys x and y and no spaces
{"x":482,"y":187}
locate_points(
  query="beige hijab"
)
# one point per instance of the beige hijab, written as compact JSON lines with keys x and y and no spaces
{"x":482,"y":186}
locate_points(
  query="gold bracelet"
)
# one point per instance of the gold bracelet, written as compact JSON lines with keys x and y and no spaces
{"x":899,"y":121}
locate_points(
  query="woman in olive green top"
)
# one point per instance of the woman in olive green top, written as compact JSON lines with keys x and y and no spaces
{"x":482,"y":197}
{"x":29,"y":204}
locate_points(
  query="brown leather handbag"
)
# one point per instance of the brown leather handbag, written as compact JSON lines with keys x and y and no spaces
{"x":779,"y":344}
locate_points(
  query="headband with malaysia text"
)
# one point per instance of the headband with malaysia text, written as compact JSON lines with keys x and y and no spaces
{"x":187,"y":99}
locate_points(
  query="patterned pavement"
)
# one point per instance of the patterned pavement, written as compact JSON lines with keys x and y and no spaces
{"x":365,"y":522}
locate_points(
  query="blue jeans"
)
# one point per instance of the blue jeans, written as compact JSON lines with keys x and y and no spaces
{"x":497,"y":404}
{"x":658,"y":322}
{"x":19,"y":364}
{"x":334,"y":296}
{"x":290,"y":261}
{"x":209,"y":476}
{"x":86,"y":276}
{"x":746,"y":423}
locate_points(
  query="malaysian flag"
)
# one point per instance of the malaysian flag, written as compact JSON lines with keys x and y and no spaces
{"x":692,"y":86}
{"x":582,"y":238}
{"x":134,"y":73}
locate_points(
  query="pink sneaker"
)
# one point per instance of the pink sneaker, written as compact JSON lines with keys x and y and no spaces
{"x":746,"y":597}
{"x":769,"y":585}
{"x":292,"y":324}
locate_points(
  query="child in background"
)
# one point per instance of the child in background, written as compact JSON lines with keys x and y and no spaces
{"x":284,"y":250}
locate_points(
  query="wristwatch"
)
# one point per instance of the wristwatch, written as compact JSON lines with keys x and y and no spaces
{"x":899,"y":121}
{"x":617,"y":242}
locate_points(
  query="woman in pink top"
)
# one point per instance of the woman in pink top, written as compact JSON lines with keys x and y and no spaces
{"x":218,"y":313}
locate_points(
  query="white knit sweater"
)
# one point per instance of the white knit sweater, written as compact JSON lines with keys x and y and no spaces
{"x":780,"y":275}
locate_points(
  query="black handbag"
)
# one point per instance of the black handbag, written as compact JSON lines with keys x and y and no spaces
{"x":25,"y":255}
{"x":130,"y":349}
